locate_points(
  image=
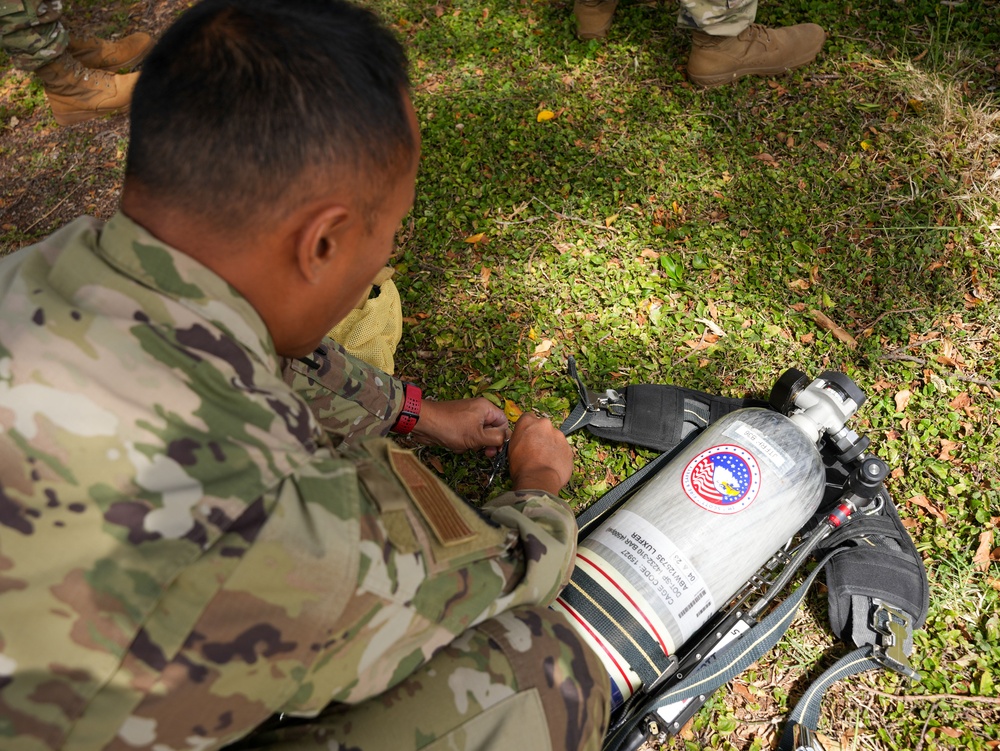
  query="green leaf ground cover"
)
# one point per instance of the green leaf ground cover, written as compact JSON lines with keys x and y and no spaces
{"x":662,"y":233}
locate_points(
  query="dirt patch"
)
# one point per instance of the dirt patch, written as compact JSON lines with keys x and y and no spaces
{"x":50,"y":175}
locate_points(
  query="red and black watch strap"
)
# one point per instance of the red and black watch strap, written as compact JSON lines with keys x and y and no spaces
{"x":407,"y":420}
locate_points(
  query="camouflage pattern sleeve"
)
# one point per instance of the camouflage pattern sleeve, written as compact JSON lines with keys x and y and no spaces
{"x":31,"y":33}
{"x":182,"y":555}
{"x":351,"y":399}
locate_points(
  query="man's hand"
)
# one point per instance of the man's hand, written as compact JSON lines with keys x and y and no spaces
{"x":539,"y":455}
{"x":462,"y":425}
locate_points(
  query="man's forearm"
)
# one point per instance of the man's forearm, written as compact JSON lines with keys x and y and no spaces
{"x":351,"y":399}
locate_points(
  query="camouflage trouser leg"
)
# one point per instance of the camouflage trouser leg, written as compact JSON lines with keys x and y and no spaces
{"x":30,"y":32}
{"x":521,"y":681}
{"x":724,"y":18}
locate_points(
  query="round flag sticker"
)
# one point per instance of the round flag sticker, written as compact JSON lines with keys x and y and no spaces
{"x":723,"y":479}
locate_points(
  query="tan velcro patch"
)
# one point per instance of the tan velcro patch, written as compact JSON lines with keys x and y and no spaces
{"x":434,"y":503}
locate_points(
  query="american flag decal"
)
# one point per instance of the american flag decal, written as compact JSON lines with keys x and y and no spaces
{"x":723,"y":479}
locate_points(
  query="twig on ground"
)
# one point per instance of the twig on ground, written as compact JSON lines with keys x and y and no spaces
{"x":51,"y":211}
{"x":957,"y":376}
{"x":934,"y":697}
{"x":577,"y":219}
{"x":875,"y":323}
{"x":522,"y":221}
{"x":923,"y":730}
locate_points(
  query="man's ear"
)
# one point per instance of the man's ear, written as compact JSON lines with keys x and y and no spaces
{"x":319,"y":240}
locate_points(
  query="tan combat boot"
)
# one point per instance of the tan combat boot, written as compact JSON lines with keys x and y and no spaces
{"x":98,"y":54}
{"x":593,"y":17}
{"x":755,"y":51}
{"x":76,"y":93}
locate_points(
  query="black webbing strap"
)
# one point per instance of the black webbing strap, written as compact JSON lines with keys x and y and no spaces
{"x":654,"y":416}
{"x":807,"y":711}
{"x":725,"y":665}
{"x":617,"y":626}
{"x":659,"y":417}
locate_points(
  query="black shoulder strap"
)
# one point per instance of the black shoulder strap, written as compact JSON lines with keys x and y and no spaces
{"x":653,"y":416}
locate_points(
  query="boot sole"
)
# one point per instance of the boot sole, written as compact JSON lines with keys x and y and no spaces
{"x":80,"y":116}
{"x":709,"y":82}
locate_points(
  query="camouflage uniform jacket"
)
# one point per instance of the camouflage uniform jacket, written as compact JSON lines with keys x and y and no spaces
{"x":182,"y":553}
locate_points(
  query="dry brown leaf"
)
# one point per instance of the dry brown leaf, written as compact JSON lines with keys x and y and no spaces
{"x":822,"y":145}
{"x":436,"y":463}
{"x":950,"y":732}
{"x":921,"y":501}
{"x":807,"y":338}
{"x":802,"y":284}
{"x":902,"y":399}
{"x":897,"y":473}
{"x":982,"y":557}
{"x":946,"y":448}
{"x":961,"y":401}
{"x":798,"y":307}
{"x":909,"y":523}
{"x":742,"y":691}
{"x":543,"y":348}
{"x":696,"y":345}
{"x":828,"y":743}
{"x":650,"y":254}
{"x":766,"y":158}
{"x":995,"y":583}
{"x":712,"y":326}
{"x":484,"y":276}
{"x":825,"y":322}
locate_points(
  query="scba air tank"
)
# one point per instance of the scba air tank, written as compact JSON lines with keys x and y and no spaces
{"x":655,"y":571}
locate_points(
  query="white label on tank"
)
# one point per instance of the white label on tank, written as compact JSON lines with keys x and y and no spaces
{"x":774,"y":454}
{"x":662,"y":567}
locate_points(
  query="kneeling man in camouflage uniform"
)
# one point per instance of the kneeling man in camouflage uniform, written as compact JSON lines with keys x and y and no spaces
{"x":205,"y":539}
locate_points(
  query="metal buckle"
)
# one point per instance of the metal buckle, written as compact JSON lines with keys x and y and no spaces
{"x":894,"y":628}
{"x":611,"y":401}
{"x":804,"y":739}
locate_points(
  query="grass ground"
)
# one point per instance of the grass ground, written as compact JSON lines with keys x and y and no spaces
{"x":582,"y":198}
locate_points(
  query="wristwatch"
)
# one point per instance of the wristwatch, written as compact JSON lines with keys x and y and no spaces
{"x":407,"y":420}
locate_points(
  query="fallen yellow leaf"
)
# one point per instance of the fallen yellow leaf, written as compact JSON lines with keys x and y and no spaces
{"x":476,"y":238}
{"x":511,"y":410}
{"x":545,"y":115}
{"x":865,"y":146}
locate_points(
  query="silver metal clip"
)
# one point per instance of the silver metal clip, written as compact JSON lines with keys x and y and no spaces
{"x":804,"y":739}
{"x":895,"y":630}
{"x":610,"y":401}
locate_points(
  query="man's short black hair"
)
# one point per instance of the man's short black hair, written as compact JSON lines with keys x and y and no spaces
{"x":240,"y":100}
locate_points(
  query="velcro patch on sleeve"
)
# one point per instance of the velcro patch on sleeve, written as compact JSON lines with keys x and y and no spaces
{"x":431,"y":499}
